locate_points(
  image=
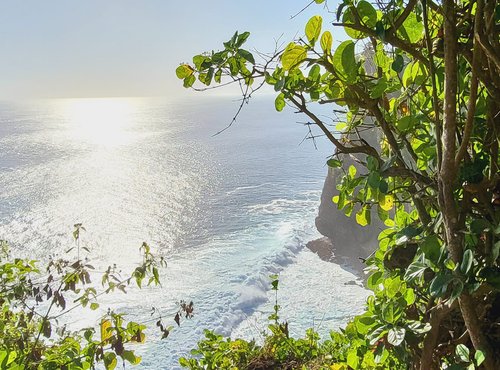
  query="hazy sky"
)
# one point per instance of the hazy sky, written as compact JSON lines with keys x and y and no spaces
{"x":94,"y":48}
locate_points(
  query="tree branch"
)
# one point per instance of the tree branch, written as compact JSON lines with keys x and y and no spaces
{"x":437,"y":314}
{"x":360,"y":149}
{"x":400,"y":20}
{"x":435,"y":99}
{"x":389,"y":37}
{"x":471,"y":108}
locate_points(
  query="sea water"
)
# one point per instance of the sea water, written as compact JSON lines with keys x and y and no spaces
{"x":226,"y":211}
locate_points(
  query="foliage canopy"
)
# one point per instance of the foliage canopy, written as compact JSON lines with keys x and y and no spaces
{"x":423,"y":78}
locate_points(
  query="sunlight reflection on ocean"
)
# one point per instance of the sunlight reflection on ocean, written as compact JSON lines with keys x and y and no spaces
{"x":225,"y":211}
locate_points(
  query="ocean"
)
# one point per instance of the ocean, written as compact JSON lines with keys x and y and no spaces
{"x":226,"y":211}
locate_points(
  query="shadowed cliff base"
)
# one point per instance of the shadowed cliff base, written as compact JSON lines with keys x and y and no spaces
{"x":349,"y":257}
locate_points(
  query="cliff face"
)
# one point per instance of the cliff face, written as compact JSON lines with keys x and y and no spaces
{"x":348,"y":238}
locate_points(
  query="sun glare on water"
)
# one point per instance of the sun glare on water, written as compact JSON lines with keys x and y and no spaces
{"x":104,"y":122}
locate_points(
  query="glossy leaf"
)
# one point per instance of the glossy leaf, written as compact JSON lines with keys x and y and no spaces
{"x":363,"y":216}
{"x":462,"y":352}
{"x":183,"y":71}
{"x":344,"y":61}
{"x":293,"y":56}
{"x":279,"y":102}
{"x":326,"y":42}
{"x":439,"y":284}
{"x":313,"y":29}
{"x":396,"y":335}
{"x":467,"y":260}
{"x":367,"y":13}
{"x":246,"y":55}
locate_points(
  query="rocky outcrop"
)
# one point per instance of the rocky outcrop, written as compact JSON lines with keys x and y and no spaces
{"x":347,"y":237}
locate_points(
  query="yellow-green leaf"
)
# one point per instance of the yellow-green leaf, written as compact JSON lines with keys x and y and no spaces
{"x":326,"y":41}
{"x":292,"y":56}
{"x":105,"y":332}
{"x":131,"y":357}
{"x":386,"y":202}
{"x":352,"y":171}
{"x":183,"y":71}
{"x":363,"y":217}
{"x":279,"y":103}
{"x":313,"y":29}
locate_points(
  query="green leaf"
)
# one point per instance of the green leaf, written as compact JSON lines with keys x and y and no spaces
{"x":383,"y":186}
{"x":409,"y":296}
{"x":458,"y":287}
{"x":315,"y":73}
{"x":467,"y":260}
{"x":363,"y":216}
{"x":183,"y":71}
{"x":109,"y":360}
{"x":396,"y":335}
{"x":462,"y":351}
{"x":386,"y":202}
{"x":349,"y":18}
{"x":241,"y":39}
{"x":398,"y":64}
{"x":439,"y":284}
{"x":392,"y":287}
{"x":371,"y":163}
{"x":388,"y":313}
{"x":364,"y":323}
{"x":198,"y":61}
{"x":319,"y":1}
{"x":449,"y":264}
{"x":131,"y":357}
{"x":406,"y":123}
{"x":189,"y":81}
{"x":431,"y":248}
{"x":246,"y":55}
{"x":231,"y":43}
{"x":326,"y":42}
{"x":373,"y":179}
{"x":94,"y":306}
{"x":379,"y":89}
{"x":313,"y":29}
{"x":479,"y":357}
{"x":279,"y":102}
{"x":184,"y":362}
{"x":352,"y":358}
{"x":334,"y":163}
{"x":415,"y":73}
{"x":344,"y":61}
{"x":367,"y":13}
{"x":374,"y":280}
{"x":412,"y":29}
{"x":419,"y":328}
{"x":352,"y":171}
{"x":218,"y":76}
{"x":292,"y":56}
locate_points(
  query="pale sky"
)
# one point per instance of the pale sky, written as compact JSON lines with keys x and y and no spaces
{"x":99,"y":48}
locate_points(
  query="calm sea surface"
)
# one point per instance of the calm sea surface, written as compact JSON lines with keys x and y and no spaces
{"x":225,"y":211}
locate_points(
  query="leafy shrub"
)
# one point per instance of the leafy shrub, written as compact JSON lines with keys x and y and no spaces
{"x":426,"y":90}
{"x":33,"y":301}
